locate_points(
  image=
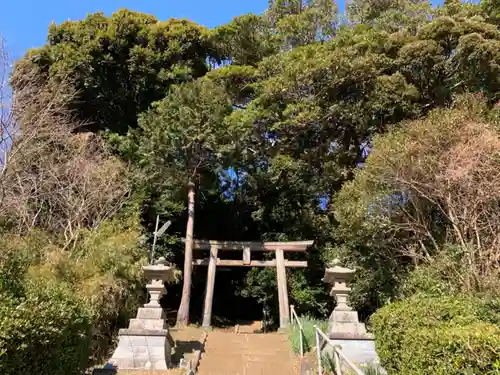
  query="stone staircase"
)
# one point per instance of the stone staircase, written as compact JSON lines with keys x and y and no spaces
{"x":229,"y":353}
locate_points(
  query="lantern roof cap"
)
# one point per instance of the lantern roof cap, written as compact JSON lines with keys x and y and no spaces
{"x":334,"y":267}
{"x":334,"y":272}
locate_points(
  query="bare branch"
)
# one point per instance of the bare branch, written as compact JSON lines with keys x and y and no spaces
{"x":53,"y":177}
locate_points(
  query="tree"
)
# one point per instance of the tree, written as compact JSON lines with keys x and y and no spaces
{"x":245,"y":40}
{"x":301,"y":22}
{"x":70,"y":259}
{"x":179,"y":141}
{"x":427,"y":193}
{"x":119,"y":65}
{"x":366,"y":12}
{"x":304,"y":97}
{"x":311,"y":113}
{"x":52,"y":178}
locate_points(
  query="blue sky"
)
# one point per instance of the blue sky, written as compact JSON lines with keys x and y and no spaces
{"x":24,"y":23}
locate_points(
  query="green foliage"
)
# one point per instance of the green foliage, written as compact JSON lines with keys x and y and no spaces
{"x":368,"y":369}
{"x":391,"y":15}
{"x":180,"y":139}
{"x":299,"y":22}
{"x":275,"y":138}
{"x":60,"y":308}
{"x":437,"y":278}
{"x":312,"y":112}
{"x":438,"y":335}
{"x":106,"y":275}
{"x":371,"y":369}
{"x":236,"y":80}
{"x":246,"y":40}
{"x":45,"y":332}
{"x":120,"y":64}
{"x":13,"y":265}
{"x":260,"y":284}
{"x":398,"y":211}
{"x":309,"y":333}
{"x":491,"y":10}
{"x":328,"y":363}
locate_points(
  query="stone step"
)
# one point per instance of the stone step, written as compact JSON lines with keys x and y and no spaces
{"x":246,"y":371}
{"x":241,"y":352}
{"x":242,"y":362}
{"x":238,"y":365}
{"x":254,"y":368}
{"x":246,"y":359}
{"x":265,"y":370}
{"x":255,"y":343}
{"x":244,"y":343}
{"x":223,"y":350}
{"x":246,"y":354}
{"x":249,"y":338}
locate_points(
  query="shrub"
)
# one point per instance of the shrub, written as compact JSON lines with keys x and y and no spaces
{"x":451,"y":335}
{"x":60,"y":308}
{"x":104,"y":271}
{"x":308,"y":324}
{"x":44,"y":333}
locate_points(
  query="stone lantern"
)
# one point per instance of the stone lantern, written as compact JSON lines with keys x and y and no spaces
{"x":157,"y":274}
{"x":343,"y":320}
{"x":344,"y":328}
{"x":147,"y":344}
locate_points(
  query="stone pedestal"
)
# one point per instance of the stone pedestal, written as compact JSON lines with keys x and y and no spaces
{"x":147,"y":343}
{"x":343,"y":320}
{"x":359,"y":350}
{"x":344,"y":327}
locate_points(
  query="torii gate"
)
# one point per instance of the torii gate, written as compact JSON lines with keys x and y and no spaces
{"x":247,"y":247}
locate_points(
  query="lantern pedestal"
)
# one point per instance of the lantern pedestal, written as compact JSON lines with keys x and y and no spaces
{"x":343,"y":320}
{"x":147,"y":343}
{"x":344,"y":327}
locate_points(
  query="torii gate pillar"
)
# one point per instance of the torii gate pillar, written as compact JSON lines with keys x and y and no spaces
{"x":282,"y":290}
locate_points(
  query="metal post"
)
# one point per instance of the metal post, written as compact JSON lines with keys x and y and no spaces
{"x":301,"y":343}
{"x":338,"y":369}
{"x":154,"y":239}
{"x":318,"y":351}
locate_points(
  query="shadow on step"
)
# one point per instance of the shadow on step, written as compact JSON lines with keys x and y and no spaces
{"x":183,"y":349}
{"x":105,"y":371}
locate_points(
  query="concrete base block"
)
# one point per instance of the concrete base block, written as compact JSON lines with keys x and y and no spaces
{"x":151,"y":313}
{"x":345,"y":322}
{"x":353,"y":329}
{"x":360,"y":350}
{"x":344,"y":316}
{"x":152,"y":324}
{"x":146,"y":350}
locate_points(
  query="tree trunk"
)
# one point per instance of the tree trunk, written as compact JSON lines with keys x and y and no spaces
{"x":183,"y":313}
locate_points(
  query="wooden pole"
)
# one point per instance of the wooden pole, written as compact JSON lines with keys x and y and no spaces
{"x":282,"y":290}
{"x":183,"y":312}
{"x":209,"y":292}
